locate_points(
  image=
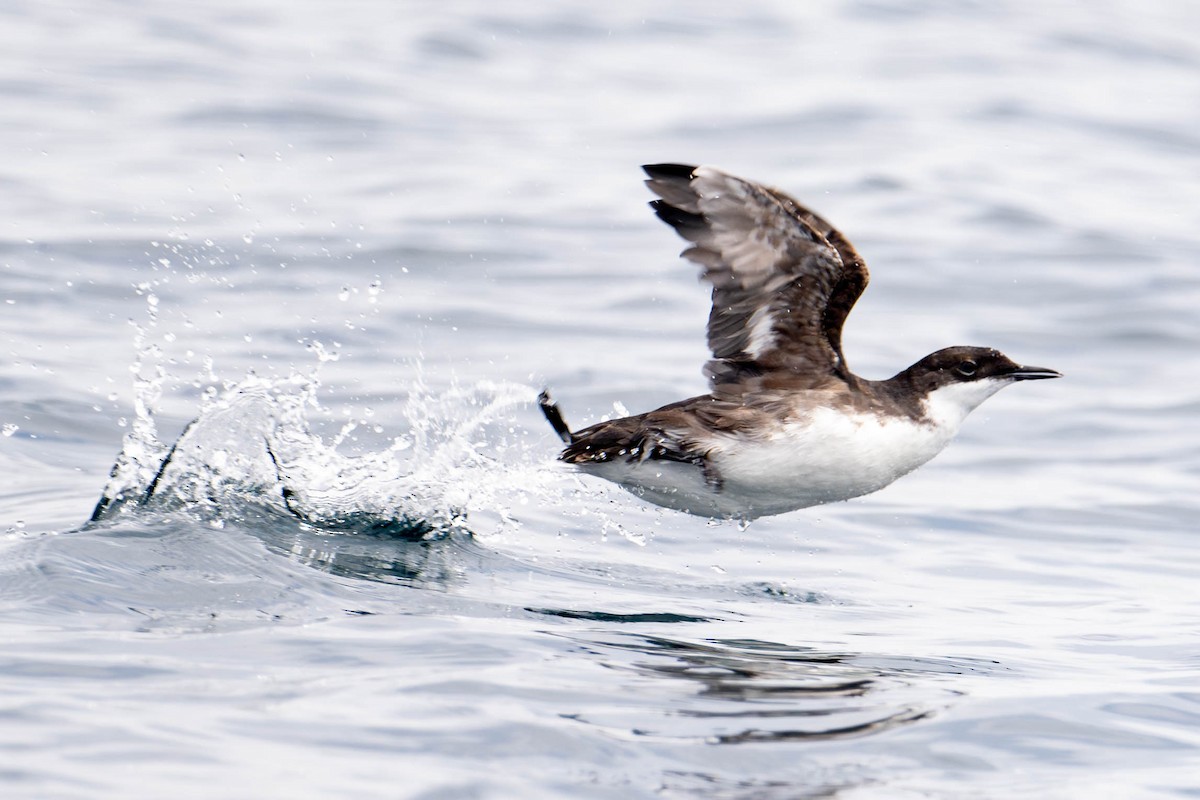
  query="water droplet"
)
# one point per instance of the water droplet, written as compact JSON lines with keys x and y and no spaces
{"x":321,"y":353}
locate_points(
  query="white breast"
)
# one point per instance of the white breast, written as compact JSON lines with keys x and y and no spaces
{"x":821,"y":456}
{"x":826,"y":458}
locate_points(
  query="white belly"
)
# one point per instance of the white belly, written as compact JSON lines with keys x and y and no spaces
{"x":823,"y":459}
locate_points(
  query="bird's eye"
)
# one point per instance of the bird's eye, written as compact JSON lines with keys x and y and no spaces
{"x":966,"y":368}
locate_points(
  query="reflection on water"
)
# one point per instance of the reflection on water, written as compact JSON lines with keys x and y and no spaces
{"x":744,"y":690}
{"x":432,"y":563}
{"x":359,"y":546}
{"x":702,"y":784}
{"x":606,"y":616}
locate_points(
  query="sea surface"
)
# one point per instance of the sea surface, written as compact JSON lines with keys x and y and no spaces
{"x":330,"y":252}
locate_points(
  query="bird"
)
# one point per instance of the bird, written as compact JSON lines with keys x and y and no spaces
{"x":786,"y":424}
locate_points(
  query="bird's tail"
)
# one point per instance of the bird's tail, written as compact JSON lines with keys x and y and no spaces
{"x":554,"y":417}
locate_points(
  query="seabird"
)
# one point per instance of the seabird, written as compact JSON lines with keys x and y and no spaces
{"x":786,"y":424}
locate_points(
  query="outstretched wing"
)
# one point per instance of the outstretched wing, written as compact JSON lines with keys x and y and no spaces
{"x":783,"y":278}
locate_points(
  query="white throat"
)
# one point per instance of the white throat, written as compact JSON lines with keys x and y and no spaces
{"x":948,"y":406}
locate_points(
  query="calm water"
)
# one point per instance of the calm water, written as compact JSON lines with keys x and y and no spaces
{"x":365,"y":234}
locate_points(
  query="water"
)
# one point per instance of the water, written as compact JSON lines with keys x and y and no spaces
{"x":356,"y":239}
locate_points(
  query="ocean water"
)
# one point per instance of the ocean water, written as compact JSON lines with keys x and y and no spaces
{"x":352,"y":241}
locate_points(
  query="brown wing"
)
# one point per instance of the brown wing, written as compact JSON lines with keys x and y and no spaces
{"x":783,"y":278}
{"x":657,"y":436}
{"x":675,"y":432}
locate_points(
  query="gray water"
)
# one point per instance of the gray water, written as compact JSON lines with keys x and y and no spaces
{"x":366,"y":234}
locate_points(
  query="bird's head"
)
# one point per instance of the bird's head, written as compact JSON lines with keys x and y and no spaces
{"x":954,"y":381}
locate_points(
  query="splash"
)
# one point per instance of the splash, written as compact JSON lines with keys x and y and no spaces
{"x":141,"y":452}
{"x":253,"y":447}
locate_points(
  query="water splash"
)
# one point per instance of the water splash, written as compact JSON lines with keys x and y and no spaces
{"x":141,"y":451}
{"x":253,"y":447}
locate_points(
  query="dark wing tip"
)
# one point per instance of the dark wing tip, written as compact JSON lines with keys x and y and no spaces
{"x":676,"y":217}
{"x":684,"y":171}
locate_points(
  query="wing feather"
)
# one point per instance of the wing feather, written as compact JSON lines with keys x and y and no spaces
{"x":783,"y":279}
